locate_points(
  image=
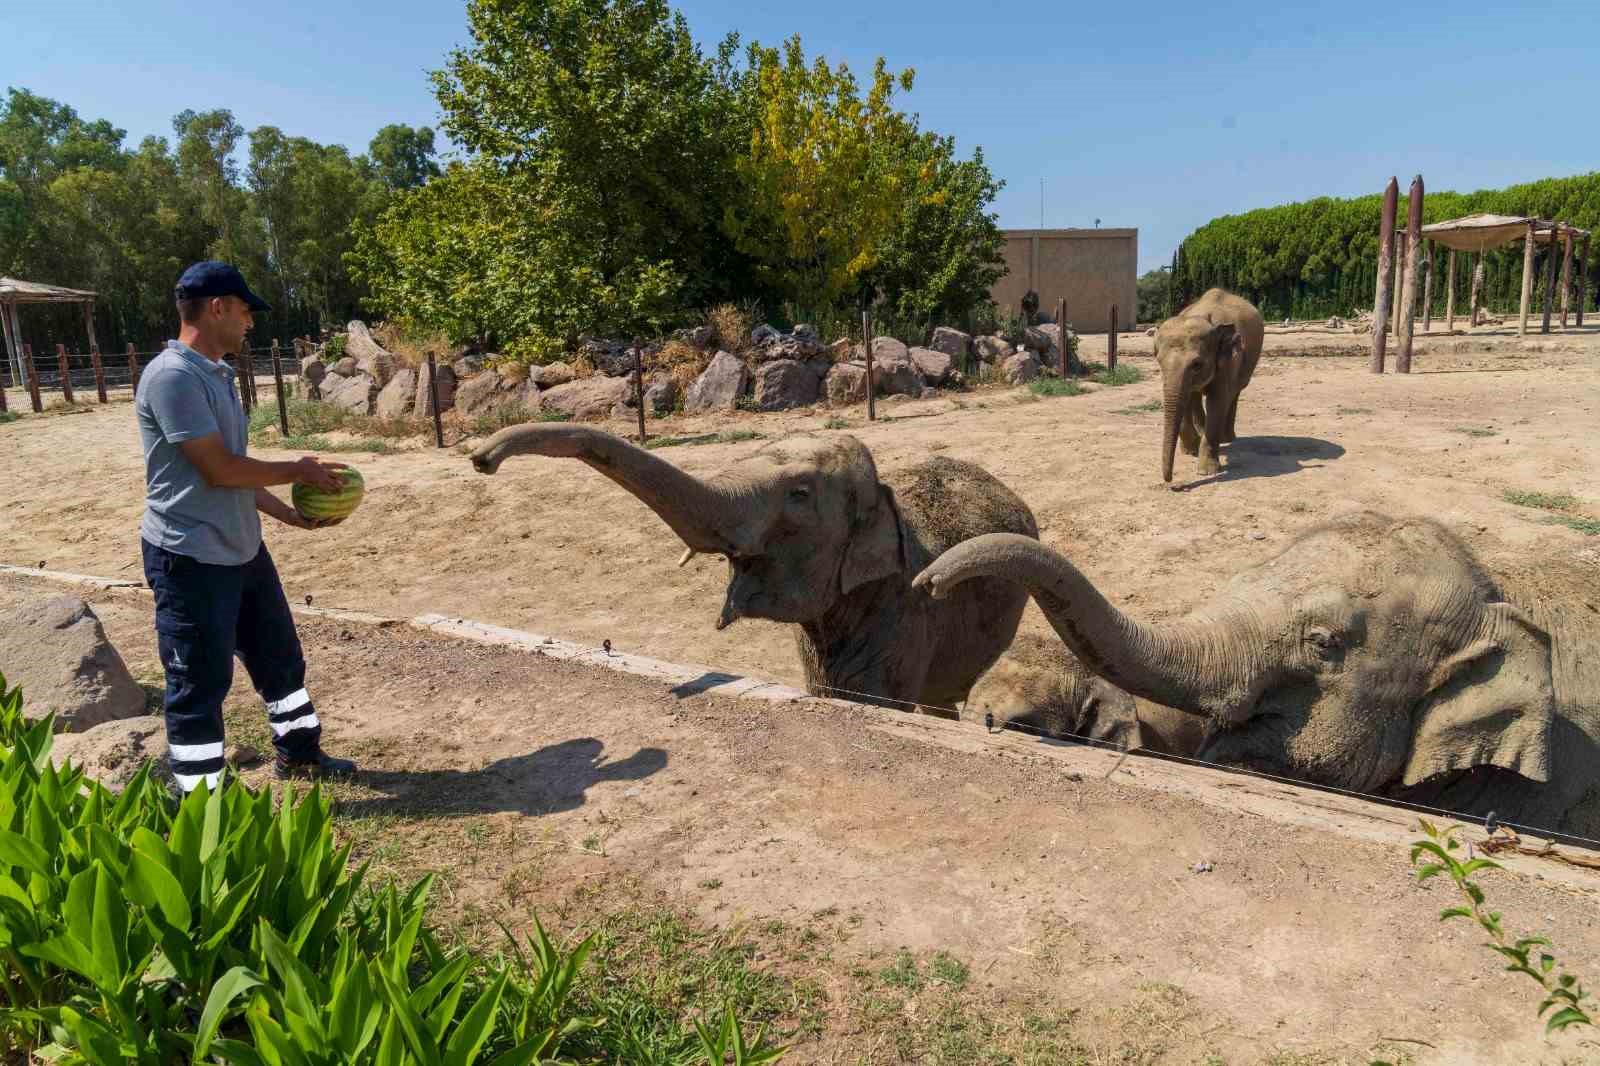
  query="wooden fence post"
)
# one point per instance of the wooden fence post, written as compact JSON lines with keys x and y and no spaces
{"x":133,"y":368}
{"x":1566,"y":277}
{"x":66,"y":372}
{"x":433,"y":401}
{"x":1550,"y":277}
{"x":1583,"y":278}
{"x":238,"y":378}
{"x":1427,"y":289}
{"x":638,"y":383}
{"x":1527,"y":278}
{"x":1408,"y":290}
{"x":283,"y":403}
{"x":3,"y":407}
{"x":866,"y":344}
{"x":33,"y":378}
{"x":1380,"y":302}
{"x":99,"y":372}
{"x":1111,"y":342}
{"x":1450,"y":294}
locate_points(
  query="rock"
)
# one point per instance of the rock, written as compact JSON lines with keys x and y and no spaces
{"x":57,"y":651}
{"x":662,"y":394}
{"x":345,"y":367}
{"x":396,"y":399}
{"x":613,"y":358}
{"x":313,"y":370}
{"x":467,"y":366}
{"x":796,"y":346}
{"x":550,"y":375}
{"x":487,"y":392}
{"x":446,"y":389}
{"x":893,"y":373}
{"x":719,"y":387}
{"x":112,"y":753}
{"x":784,"y":383}
{"x":806,"y":331}
{"x":370,"y":356}
{"x":990,"y":348}
{"x":699,"y":337}
{"x":1334,"y":322}
{"x":1020,"y":369}
{"x":839,"y":350}
{"x":357,"y":394}
{"x":935,"y":366}
{"x":761,"y":334}
{"x":951,"y":342}
{"x":846,"y":384}
{"x":885,"y":350}
{"x":594,"y":397}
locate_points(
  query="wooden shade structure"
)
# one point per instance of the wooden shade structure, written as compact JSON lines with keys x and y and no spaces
{"x":14,"y":293}
{"x":1480,"y":233}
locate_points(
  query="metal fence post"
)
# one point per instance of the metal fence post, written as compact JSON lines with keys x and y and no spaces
{"x":1111,"y":342}
{"x":433,"y":401}
{"x":866,"y":344}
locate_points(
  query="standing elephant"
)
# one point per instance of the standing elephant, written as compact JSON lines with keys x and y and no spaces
{"x":1372,"y":654}
{"x":1206,"y":351}
{"x":813,"y":537}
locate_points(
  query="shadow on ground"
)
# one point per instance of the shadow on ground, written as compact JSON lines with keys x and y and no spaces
{"x":1251,"y":457}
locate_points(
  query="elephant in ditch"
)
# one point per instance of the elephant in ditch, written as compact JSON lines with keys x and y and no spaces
{"x":1372,"y":654}
{"x":814,"y":537}
{"x":1207,"y":352}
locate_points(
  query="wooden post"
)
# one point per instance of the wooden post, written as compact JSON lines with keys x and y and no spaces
{"x":433,"y":401}
{"x":1477,"y":290}
{"x":1583,"y":279}
{"x":3,"y":407}
{"x":133,"y":369}
{"x":283,"y":403}
{"x":1408,"y":289}
{"x":33,"y":378}
{"x":1566,"y":276}
{"x":88,"y":324}
{"x":1427,"y":289}
{"x":1061,"y":329}
{"x":1111,"y":342}
{"x":238,"y":378}
{"x":99,"y":373}
{"x":1450,"y":293}
{"x":1399,"y":283}
{"x":866,"y":344}
{"x":13,"y":345}
{"x":1527,"y":279}
{"x":66,"y":372}
{"x":638,"y":383}
{"x":1380,"y":302}
{"x":1550,"y":278}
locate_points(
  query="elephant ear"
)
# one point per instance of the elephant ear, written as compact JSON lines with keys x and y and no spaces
{"x":1229,"y":341}
{"x":1491,"y":704}
{"x":874,"y":551}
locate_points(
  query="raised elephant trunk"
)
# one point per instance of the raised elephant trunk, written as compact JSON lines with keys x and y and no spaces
{"x":1175,"y":400}
{"x":1182,"y":665}
{"x":708,"y":517}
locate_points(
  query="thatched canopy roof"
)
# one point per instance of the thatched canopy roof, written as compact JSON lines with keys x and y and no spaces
{"x":13,"y":290}
{"x":1479,"y":233}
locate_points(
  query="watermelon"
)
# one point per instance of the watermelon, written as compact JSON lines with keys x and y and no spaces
{"x":319,"y":504}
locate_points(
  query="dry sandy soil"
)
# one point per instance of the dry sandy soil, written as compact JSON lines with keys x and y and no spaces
{"x":1069,"y":896}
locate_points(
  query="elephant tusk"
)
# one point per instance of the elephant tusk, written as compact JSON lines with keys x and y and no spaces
{"x":688,"y":553}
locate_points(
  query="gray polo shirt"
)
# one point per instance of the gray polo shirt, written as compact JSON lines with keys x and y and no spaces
{"x":183,"y":396}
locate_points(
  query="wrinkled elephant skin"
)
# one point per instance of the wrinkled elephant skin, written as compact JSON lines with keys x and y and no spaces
{"x":1207,"y":353}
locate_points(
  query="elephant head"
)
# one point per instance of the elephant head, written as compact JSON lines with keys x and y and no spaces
{"x":1370,"y":653}
{"x":1192,"y":352}
{"x":801,"y":522}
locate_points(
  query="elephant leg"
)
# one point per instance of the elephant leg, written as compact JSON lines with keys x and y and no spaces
{"x":1216,"y":423}
{"x":1189,"y":427}
{"x":1233,"y":409}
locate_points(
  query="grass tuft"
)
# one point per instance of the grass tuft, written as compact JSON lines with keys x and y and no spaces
{"x":1544,"y":501}
{"x":8,"y":416}
{"x":730,"y":437}
{"x":1475,"y":431}
{"x":1055,"y":387}
{"x":1589,"y":527}
{"x":1140,"y":408}
{"x":1124,"y":374}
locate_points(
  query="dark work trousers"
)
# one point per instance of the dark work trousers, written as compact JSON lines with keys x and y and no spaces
{"x":205,"y":615}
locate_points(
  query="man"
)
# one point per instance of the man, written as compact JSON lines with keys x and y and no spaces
{"x":217,"y":593}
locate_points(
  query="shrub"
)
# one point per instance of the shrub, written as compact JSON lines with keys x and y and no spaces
{"x":731,"y":325}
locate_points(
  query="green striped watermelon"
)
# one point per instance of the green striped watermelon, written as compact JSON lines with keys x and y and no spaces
{"x":318,"y":504}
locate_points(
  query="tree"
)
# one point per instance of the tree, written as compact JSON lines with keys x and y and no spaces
{"x":1153,"y":288}
{"x":206,"y":141}
{"x":403,"y":156}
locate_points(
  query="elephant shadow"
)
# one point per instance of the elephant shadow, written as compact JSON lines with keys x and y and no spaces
{"x":548,"y":781}
{"x":1252,"y":457}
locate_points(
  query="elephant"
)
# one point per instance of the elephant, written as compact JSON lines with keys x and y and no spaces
{"x":1039,"y":686}
{"x":1373,"y":654}
{"x":813,"y":537}
{"x":1206,"y":351}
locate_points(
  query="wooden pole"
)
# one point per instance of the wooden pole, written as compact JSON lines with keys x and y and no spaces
{"x":1550,"y":278}
{"x":866,"y":343}
{"x":1399,"y":283}
{"x":1427,"y":289}
{"x":1583,"y":279}
{"x":66,"y":372}
{"x":1450,"y":293}
{"x":1408,"y":289}
{"x":3,"y":407}
{"x":1566,"y":276}
{"x":238,"y":377}
{"x":99,"y":373}
{"x":1477,"y":290}
{"x":1061,"y":330}
{"x":13,"y":345}
{"x":133,"y":368}
{"x":1380,"y":302}
{"x":33,"y":378}
{"x":10,"y":311}
{"x":1111,"y":341}
{"x":283,"y":402}
{"x":638,"y":383}
{"x":1527,"y":279}
{"x":433,"y":401}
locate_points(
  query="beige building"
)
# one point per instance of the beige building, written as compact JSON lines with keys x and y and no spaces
{"x":1092,"y":268}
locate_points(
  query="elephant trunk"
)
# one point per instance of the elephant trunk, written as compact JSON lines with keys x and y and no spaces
{"x":1175,"y":399}
{"x":706,"y":516}
{"x":1182,"y":665}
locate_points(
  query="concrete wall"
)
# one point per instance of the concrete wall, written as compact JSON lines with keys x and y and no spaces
{"x":1092,"y":268}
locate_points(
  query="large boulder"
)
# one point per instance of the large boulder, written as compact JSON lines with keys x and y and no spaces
{"x":489,"y":391}
{"x":57,"y":651}
{"x":991,"y":348}
{"x":113,"y":752}
{"x":446,"y":388}
{"x":846,"y":384}
{"x":934,"y":366}
{"x":799,"y":346}
{"x":884,"y":350}
{"x":356,"y":394}
{"x":550,"y":375}
{"x":312,"y":372}
{"x":719,"y":387}
{"x":593,"y":397}
{"x":1036,"y":339}
{"x":613,"y":358}
{"x":893,"y":373}
{"x":467,"y":366}
{"x":396,"y":399}
{"x":762,"y":334}
{"x":784,"y":383}
{"x":951,"y":342}
{"x":661,"y":395}
{"x":370,"y":356}
{"x":345,"y":367}
{"x":1020,"y":369}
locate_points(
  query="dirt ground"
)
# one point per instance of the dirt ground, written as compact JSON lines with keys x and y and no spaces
{"x":520,"y":775}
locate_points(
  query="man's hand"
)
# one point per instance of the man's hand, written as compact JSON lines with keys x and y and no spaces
{"x":268,"y":504}
{"x":319,"y":474}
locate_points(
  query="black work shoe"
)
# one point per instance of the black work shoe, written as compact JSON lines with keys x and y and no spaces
{"x":320,"y":764}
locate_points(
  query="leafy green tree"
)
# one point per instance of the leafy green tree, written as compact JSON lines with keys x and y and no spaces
{"x":404,"y":156}
{"x":206,"y":141}
{"x":1152,"y":288}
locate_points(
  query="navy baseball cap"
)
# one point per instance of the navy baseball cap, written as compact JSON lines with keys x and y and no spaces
{"x":216,"y":278}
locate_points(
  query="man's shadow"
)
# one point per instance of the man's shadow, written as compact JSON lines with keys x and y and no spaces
{"x":548,"y":781}
{"x":1252,"y":457}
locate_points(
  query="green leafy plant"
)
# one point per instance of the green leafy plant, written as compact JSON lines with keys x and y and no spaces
{"x":1055,"y":387}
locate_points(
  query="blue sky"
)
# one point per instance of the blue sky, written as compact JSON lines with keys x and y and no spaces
{"x":1156,"y":115}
